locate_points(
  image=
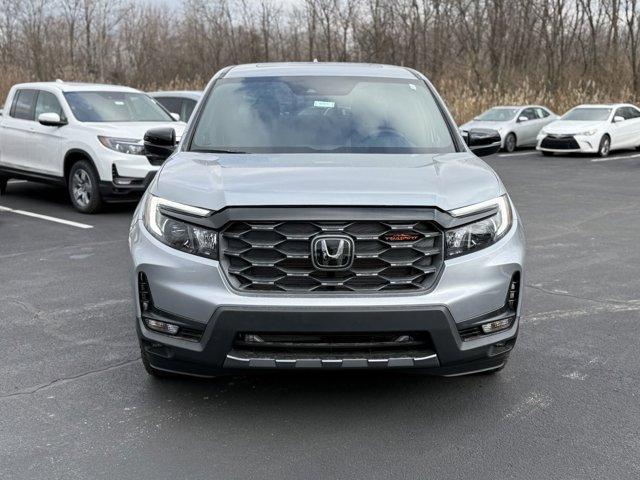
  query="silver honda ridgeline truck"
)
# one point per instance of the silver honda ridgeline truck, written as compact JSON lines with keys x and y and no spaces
{"x":325,"y":216}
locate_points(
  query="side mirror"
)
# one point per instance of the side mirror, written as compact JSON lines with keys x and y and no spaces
{"x":522,"y":118}
{"x":159,"y":143}
{"x":618,"y":119}
{"x":482,"y":141}
{"x":51,"y":119}
{"x":176,"y":116}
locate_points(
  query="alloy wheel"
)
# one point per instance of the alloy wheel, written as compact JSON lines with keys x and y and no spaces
{"x":81,"y":187}
{"x":605,"y":147}
{"x":510,"y":143}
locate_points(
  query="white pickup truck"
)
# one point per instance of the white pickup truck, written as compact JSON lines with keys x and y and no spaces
{"x":85,"y":137}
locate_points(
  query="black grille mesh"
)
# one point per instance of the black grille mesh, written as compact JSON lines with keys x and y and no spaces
{"x":560,"y":143}
{"x":276,"y":256}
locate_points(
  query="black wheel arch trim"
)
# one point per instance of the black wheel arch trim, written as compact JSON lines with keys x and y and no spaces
{"x":66,"y":169}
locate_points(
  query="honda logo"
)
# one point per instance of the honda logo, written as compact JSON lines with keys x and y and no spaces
{"x":332,"y":252}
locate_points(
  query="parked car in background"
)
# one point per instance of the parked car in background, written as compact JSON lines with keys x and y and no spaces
{"x":593,"y":129}
{"x":86,"y":137}
{"x":518,"y":126}
{"x":325,"y":216}
{"x":180,"y":102}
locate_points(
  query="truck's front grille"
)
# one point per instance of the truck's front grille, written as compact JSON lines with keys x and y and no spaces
{"x":277,"y":256}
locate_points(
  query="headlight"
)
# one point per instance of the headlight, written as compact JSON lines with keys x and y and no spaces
{"x":543,"y":132}
{"x":480,"y":234}
{"x":178,"y":234}
{"x":588,"y":133}
{"x":130,"y":146}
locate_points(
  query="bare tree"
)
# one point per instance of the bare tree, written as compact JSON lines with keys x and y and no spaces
{"x":476,"y":51}
{"x":632,"y":21}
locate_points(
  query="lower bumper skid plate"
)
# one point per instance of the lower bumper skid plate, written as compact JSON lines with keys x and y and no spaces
{"x":238,"y":360}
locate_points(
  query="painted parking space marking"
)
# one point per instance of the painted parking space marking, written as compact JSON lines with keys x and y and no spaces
{"x":535,"y":153}
{"x":517,"y":154}
{"x":619,"y":157}
{"x":45,"y":217}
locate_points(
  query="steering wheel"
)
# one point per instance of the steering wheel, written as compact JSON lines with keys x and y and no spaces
{"x":384,"y":135}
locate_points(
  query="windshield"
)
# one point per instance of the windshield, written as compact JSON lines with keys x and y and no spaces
{"x":498,"y":115}
{"x":321,"y":114}
{"x":588,"y":114}
{"x":115,"y":107}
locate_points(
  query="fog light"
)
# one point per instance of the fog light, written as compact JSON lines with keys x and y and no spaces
{"x":122,"y":181}
{"x":162,"y":327}
{"x":496,"y":326}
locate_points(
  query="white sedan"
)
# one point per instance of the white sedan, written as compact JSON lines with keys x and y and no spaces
{"x":518,"y":126}
{"x":592,"y":129}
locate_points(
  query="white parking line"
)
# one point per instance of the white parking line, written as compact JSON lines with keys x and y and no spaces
{"x":608,"y":159}
{"x":516,"y":154}
{"x":46,"y":217}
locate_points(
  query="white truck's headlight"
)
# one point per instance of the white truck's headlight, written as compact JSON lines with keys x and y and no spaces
{"x":177,"y":233}
{"x":130,"y":146}
{"x":482,"y":233}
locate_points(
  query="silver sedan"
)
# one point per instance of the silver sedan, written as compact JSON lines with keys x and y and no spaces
{"x":518,"y":126}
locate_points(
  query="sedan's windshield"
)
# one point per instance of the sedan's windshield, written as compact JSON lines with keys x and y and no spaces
{"x":498,"y":115}
{"x":115,"y":107}
{"x":321,"y":114}
{"x":587,"y":114}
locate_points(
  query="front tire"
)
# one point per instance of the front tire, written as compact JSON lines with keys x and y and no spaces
{"x":605,"y":146}
{"x":510,"y":143}
{"x":84,"y":191}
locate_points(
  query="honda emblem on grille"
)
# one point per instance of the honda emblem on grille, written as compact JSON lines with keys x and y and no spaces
{"x":332,"y":252}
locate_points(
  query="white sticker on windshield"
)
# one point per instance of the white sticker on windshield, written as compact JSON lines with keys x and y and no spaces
{"x":118,"y":102}
{"x":321,"y":104}
{"x":412,"y":86}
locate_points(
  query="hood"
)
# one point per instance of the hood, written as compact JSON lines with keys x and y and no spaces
{"x":216,"y":181}
{"x":133,"y":129}
{"x":566,"y":127}
{"x":481,"y":124}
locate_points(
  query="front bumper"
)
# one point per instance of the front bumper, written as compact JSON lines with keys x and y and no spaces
{"x":215,"y":351}
{"x":195,"y":291}
{"x":125,"y":189}
{"x":123,"y":178}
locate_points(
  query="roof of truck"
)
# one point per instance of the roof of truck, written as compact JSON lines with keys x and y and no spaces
{"x":319,"y":69}
{"x":77,"y":87}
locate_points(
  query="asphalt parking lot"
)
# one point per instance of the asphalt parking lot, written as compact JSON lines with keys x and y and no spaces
{"x":77,"y":404}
